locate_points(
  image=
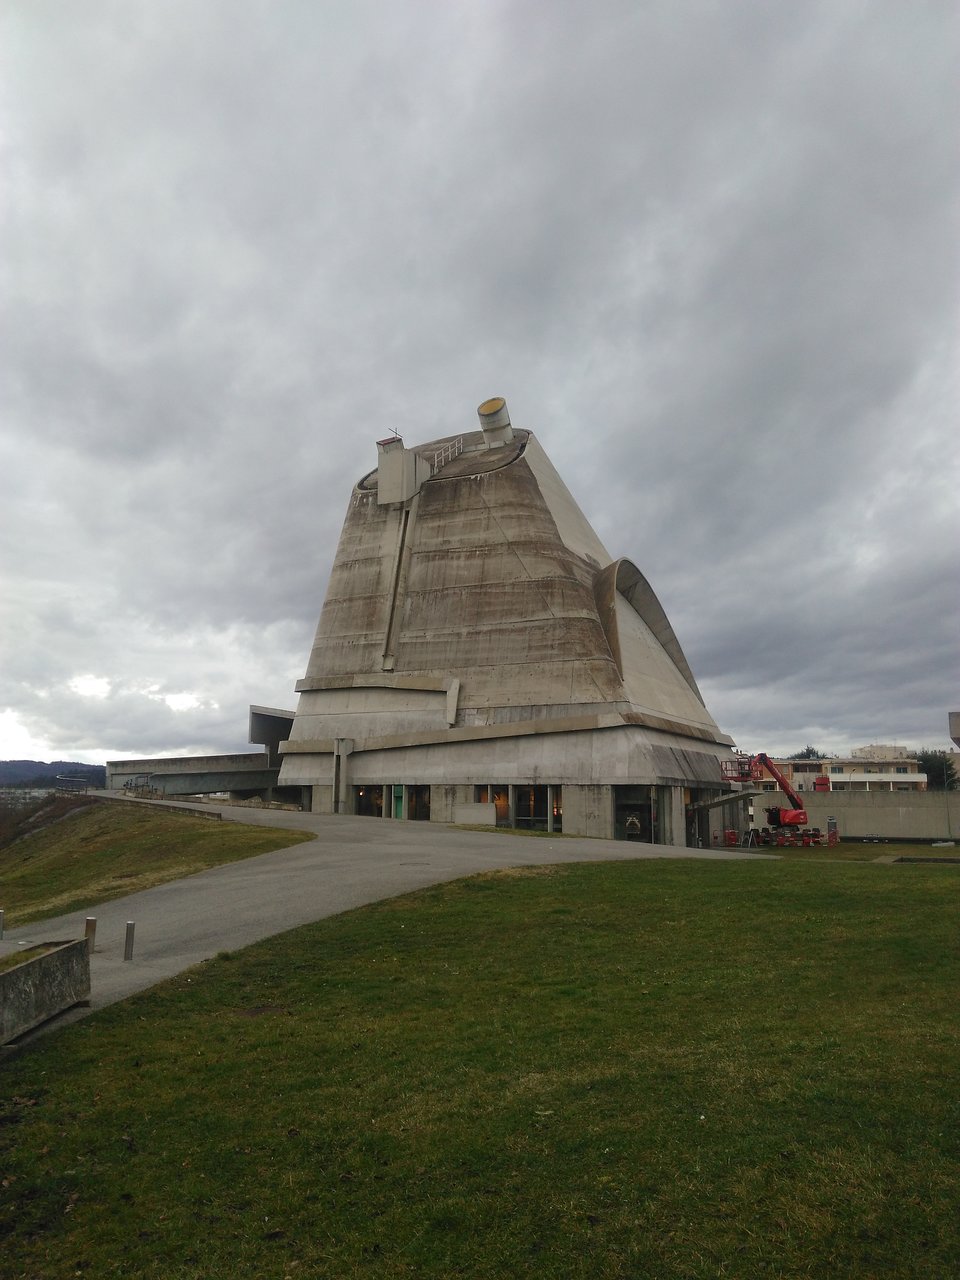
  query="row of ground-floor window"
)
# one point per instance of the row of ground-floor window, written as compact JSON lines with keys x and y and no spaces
{"x":395,"y":800}
{"x":650,"y":814}
{"x":538,"y":808}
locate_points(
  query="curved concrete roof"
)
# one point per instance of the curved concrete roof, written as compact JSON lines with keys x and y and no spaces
{"x":622,"y":577}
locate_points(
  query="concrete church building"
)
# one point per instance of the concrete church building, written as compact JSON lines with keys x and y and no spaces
{"x":481,"y":656}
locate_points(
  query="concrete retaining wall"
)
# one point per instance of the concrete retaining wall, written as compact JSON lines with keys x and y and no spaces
{"x":43,"y":985}
{"x":894,"y":815}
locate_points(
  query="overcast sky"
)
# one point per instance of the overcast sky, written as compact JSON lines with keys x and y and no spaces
{"x":707,"y":251}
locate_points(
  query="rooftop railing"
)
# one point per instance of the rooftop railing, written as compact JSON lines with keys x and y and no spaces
{"x":447,"y":454}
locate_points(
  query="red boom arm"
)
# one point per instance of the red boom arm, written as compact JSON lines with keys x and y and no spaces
{"x":795,"y":817}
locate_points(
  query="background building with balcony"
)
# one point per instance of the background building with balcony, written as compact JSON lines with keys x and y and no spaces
{"x":877,"y":767}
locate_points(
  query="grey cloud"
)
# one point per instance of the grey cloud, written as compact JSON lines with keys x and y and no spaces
{"x":707,"y":252}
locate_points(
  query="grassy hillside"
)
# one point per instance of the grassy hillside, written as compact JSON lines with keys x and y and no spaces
{"x":101,"y":850}
{"x":659,"y":1069}
{"x":40,"y":773}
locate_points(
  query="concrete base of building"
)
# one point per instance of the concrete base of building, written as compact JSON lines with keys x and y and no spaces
{"x":649,"y":814}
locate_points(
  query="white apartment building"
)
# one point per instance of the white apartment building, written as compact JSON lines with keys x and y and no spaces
{"x":878,"y":767}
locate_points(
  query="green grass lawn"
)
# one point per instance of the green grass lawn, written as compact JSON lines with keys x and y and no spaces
{"x":107,"y":849}
{"x":859,"y":851}
{"x":14,"y":958}
{"x":651,"y":1069}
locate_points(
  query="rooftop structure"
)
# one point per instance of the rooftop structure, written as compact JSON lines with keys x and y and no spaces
{"x":882,"y":751}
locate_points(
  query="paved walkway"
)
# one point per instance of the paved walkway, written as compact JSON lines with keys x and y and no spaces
{"x":351,"y":862}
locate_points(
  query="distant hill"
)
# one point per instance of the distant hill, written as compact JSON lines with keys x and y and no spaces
{"x":37,"y":773}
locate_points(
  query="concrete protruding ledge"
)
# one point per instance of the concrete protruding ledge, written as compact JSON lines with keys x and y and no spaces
{"x":382,"y":680}
{"x":510,"y":729}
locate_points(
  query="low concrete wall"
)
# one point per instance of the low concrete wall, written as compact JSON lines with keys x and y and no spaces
{"x":894,"y":815}
{"x":475,"y":814}
{"x":43,"y":985}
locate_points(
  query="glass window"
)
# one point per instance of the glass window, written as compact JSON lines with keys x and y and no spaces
{"x":498,"y":795}
{"x":531,"y":807}
{"x":369,"y":801}
{"x":558,"y":808}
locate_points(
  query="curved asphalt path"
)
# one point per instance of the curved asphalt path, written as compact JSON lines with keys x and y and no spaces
{"x":351,"y":862}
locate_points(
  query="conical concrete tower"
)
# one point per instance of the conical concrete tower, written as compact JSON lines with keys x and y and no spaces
{"x":480,"y":655}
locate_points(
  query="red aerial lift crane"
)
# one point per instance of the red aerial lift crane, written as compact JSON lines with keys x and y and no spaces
{"x":751,"y":769}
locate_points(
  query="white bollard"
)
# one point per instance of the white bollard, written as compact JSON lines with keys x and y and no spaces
{"x":128,"y":941}
{"x":91,"y":934}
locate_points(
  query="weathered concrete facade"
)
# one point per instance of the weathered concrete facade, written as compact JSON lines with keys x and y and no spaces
{"x":478,"y":645}
{"x":245,"y":774}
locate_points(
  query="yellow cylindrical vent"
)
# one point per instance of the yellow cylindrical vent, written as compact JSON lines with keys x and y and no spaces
{"x":495,"y":421}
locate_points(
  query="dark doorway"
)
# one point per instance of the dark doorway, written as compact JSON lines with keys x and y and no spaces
{"x":418,"y":804}
{"x":635,"y":814}
{"x":531,"y":807}
{"x":369,"y":801}
{"x":698,"y":818}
